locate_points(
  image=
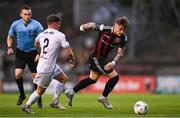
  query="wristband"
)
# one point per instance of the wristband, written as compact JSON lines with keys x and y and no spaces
{"x":113,"y":63}
{"x":81,"y":28}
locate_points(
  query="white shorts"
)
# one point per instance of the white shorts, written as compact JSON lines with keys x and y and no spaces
{"x":44,"y":79}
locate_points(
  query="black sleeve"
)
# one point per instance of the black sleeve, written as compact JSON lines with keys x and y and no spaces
{"x":122,"y":45}
{"x":102,"y":27}
{"x":124,"y":41}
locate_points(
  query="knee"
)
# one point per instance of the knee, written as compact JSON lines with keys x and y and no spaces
{"x":33,"y":75}
{"x":40,"y":90}
{"x":18,"y":76}
{"x":64,"y":79}
{"x":18,"y":73}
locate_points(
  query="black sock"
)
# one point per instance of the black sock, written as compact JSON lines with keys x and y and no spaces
{"x":83,"y":84}
{"x":110,"y":85}
{"x":35,"y":87}
{"x":19,"y":83}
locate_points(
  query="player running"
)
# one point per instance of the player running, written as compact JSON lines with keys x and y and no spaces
{"x":49,"y":42}
{"x":109,"y":37}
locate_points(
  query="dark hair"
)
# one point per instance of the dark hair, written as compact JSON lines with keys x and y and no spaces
{"x":124,"y":21}
{"x":26,"y":7}
{"x":53,"y":18}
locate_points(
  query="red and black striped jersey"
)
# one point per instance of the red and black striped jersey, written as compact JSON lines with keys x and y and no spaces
{"x":106,"y":41}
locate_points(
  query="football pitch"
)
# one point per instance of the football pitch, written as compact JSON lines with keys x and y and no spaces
{"x":86,"y":105}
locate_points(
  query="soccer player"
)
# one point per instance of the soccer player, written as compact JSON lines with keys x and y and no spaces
{"x":49,"y":42}
{"x":109,"y":37}
{"x":24,"y":30}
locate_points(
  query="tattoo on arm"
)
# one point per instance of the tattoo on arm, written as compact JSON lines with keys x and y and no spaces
{"x":90,"y":25}
{"x":120,"y":54}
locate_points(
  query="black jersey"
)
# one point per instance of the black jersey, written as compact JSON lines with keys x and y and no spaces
{"x":106,"y":41}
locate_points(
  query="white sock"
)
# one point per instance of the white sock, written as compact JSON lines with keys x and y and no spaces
{"x":33,"y":98}
{"x":72,"y":92}
{"x":58,"y":90}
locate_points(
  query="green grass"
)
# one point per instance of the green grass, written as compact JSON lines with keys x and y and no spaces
{"x":86,"y":105}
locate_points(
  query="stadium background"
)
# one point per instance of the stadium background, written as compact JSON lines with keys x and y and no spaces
{"x":151,"y":63}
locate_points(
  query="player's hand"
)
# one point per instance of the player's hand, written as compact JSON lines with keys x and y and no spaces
{"x":37,"y":58}
{"x":109,"y":66}
{"x":10,"y":51}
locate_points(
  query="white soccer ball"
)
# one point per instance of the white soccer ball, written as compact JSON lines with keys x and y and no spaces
{"x":140,"y":107}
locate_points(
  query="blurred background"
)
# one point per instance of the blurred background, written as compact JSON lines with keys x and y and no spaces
{"x":152,"y":60}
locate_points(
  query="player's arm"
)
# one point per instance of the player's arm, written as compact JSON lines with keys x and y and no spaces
{"x":71,"y":56}
{"x":86,"y":26}
{"x":37,"y":45}
{"x":92,"y":25}
{"x":120,"y":53}
{"x":11,"y":34}
{"x":9,"y":45}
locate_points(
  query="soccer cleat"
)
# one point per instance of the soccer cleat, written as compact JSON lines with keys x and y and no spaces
{"x":105,"y":102}
{"x":27,"y":109}
{"x":20,"y":100}
{"x":57,"y":104}
{"x":39,"y":103}
{"x":69,"y":95}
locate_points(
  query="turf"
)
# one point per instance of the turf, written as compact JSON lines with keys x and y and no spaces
{"x":86,"y":105}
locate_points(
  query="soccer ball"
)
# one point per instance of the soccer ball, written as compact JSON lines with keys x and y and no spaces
{"x":140,"y":107}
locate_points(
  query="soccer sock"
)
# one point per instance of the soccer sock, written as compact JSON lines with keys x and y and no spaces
{"x":83,"y":84}
{"x":35,"y":87}
{"x":58,"y":90}
{"x":33,"y":98}
{"x":19,"y":83}
{"x":110,"y":85}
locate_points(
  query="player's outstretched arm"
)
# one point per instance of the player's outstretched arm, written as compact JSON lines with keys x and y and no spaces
{"x":86,"y":26}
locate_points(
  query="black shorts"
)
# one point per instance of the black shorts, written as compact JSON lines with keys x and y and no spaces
{"x":97,"y":65}
{"x":23,"y":58}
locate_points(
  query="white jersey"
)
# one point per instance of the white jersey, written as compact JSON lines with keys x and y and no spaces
{"x":50,"y":42}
